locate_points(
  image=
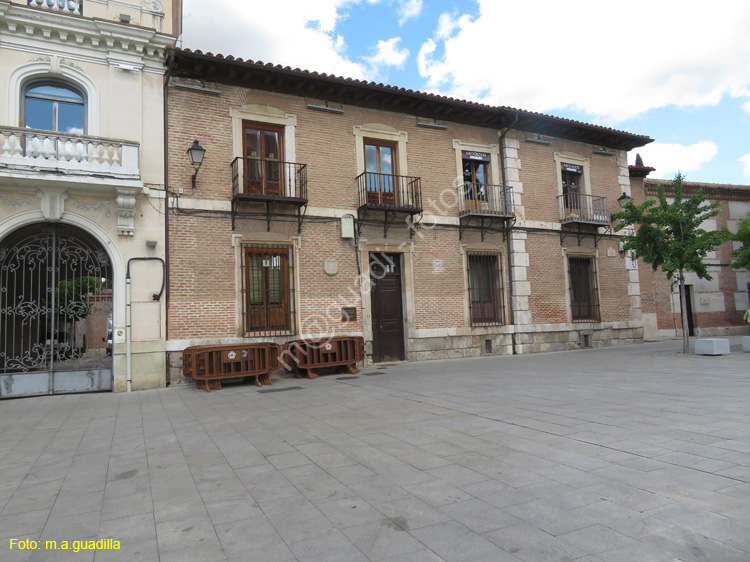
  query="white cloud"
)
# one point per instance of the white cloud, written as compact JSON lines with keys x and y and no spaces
{"x":548,"y":55}
{"x":408,"y":9}
{"x":388,"y":54}
{"x":745,"y":159}
{"x":297,"y":33}
{"x":668,"y":159}
{"x":448,"y":23}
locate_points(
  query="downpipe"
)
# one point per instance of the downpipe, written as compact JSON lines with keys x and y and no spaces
{"x":128,"y":337}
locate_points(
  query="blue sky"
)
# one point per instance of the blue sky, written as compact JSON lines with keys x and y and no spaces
{"x":672,"y":70}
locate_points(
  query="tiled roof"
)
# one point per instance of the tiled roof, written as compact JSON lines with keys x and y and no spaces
{"x":525,"y":120}
{"x":710,"y":190}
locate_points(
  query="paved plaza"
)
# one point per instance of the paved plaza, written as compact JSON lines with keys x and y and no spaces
{"x":633,"y":454}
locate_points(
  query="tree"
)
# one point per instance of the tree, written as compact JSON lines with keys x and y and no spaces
{"x":638,"y":160}
{"x":742,"y":255}
{"x":669,"y":236}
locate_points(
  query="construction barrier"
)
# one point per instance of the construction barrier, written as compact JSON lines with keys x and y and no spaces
{"x":307,"y":356}
{"x":208,"y":364}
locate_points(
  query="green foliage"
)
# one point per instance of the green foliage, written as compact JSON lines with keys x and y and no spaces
{"x":72,"y":295}
{"x":742,"y":255}
{"x":668,"y":235}
{"x":638,"y":160}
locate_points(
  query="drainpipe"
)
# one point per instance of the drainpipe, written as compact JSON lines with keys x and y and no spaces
{"x":156,"y":297}
{"x":167,"y":76}
{"x":165,"y":95}
{"x":509,"y":237}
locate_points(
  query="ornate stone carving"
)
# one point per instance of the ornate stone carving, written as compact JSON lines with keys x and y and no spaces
{"x":17,"y":202}
{"x":91,"y":207}
{"x":125,"y":208}
{"x":53,"y":203}
{"x":54,"y":65}
{"x":154,"y":6}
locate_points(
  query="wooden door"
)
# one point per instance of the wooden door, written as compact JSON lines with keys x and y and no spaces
{"x":380,"y":168}
{"x":475,"y":182}
{"x":263,"y":159}
{"x":387,"y":308}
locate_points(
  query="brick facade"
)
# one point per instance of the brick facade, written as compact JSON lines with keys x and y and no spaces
{"x":530,"y":252}
{"x":717,"y":305}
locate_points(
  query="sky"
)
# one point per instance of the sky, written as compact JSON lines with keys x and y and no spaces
{"x":676,"y":71}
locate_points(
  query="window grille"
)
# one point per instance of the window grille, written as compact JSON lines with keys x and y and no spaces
{"x":268,"y":290}
{"x":485,"y":289}
{"x":584,"y":293}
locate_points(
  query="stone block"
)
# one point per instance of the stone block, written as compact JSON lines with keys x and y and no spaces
{"x":712,"y":346}
{"x":746,"y":343}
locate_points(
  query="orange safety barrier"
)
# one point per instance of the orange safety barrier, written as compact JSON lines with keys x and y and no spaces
{"x":307,"y":356}
{"x":208,"y":364}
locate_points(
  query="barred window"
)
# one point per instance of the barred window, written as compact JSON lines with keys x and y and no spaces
{"x":268,"y":290}
{"x":584,"y":296}
{"x":485,"y":290}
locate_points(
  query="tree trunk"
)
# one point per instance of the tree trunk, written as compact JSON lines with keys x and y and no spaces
{"x":683,"y":315}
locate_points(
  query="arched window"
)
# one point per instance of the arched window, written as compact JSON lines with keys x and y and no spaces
{"x":54,"y":106}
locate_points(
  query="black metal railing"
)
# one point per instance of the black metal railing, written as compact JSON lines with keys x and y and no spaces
{"x":584,"y":295}
{"x":63,"y":6}
{"x":585,"y":208}
{"x":389,"y":191}
{"x":483,"y":199}
{"x":269,"y":179}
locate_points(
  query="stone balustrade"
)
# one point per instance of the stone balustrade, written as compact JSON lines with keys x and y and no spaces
{"x":65,"y":6}
{"x":68,"y":153}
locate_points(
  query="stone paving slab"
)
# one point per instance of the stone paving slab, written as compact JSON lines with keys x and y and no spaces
{"x":603,"y":455}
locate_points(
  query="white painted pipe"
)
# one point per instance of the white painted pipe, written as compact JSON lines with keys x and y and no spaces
{"x":128,"y":366}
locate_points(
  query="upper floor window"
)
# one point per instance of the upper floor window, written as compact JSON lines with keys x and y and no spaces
{"x":380,"y":165}
{"x":265,"y":160}
{"x":475,"y":174}
{"x":572,"y":176}
{"x":54,"y":106}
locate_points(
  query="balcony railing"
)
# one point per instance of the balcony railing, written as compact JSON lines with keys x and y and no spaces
{"x":64,"y":6}
{"x":389,"y":192}
{"x":254,"y":179}
{"x":478,"y":199}
{"x":583,"y":208}
{"x":68,"y":153}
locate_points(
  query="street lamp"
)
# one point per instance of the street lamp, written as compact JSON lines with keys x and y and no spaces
{"x":623,"y":199}
{"x":196,"y":153}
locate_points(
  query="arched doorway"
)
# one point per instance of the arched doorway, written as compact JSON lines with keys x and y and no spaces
{"x":55,"y":312}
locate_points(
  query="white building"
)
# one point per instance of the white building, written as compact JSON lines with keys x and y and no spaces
{"x":82,"y":194}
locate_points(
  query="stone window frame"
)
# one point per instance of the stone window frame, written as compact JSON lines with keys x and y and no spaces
{"x":594,"y":255}
{"x":485,"y":248}
{"x":52,"y":71}
{"x":500,"y":312}
{"x":477,"y":146}
{"x":382,"y":132}
{"x":239,"y":241}
{"x":268,"y":115}
{"x":572,"y":158}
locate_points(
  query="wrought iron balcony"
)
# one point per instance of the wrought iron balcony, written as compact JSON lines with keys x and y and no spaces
{"x":584,"y":209}
{"x":478,"y":199}
{"x":48,"y":151}
{"x":63,"y":6}
{"x":254,"y":179}
{"x":387,"y":192}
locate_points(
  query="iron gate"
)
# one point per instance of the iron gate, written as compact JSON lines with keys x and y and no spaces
{"x":55,"y":312}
